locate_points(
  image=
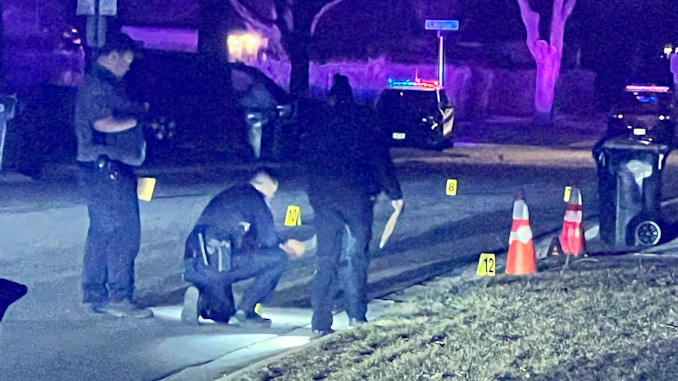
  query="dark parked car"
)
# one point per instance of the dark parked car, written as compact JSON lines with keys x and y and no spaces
{"x":205,"y":108}
{"x":201,"y":109}
{"x":416,"y":114}
{"x":646,"y":112}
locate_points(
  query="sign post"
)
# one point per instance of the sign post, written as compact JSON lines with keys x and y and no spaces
{"x":7,"y":108}
{"x":442,"y":26}
{"x":96,"y":11}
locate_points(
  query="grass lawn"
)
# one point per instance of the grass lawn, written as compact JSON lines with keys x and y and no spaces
{"x":613,"y":318}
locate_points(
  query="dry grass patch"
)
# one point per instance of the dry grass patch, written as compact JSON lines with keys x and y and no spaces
{"x":605,"y":319}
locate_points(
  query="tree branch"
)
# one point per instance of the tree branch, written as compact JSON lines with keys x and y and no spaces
{"x":568,"y":8}
{"x":531,"y":21}
{"x":326,"y":8}
{"x":284,"y":21}
{"x":249,"y":13}
{"x":562,"y":9}
{"x":269,"y":27}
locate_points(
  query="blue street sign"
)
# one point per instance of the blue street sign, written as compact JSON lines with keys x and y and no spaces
{"x":442,"y":24}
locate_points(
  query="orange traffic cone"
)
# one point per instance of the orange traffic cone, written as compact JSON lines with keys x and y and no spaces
{"x":571,"y":237}
{"x":520,"y":258}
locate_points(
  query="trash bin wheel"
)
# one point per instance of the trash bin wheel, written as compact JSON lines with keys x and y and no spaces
{"x":648,"y":233}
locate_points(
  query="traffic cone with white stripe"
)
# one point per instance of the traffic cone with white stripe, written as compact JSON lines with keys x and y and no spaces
{"x":571,"y":237}
{"x":521,"y":259}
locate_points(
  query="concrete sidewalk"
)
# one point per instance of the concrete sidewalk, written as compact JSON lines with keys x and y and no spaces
{"x":293,"y":331}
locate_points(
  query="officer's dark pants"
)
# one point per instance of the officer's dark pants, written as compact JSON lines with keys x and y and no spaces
{"x":113,"y":238}
{"x":10,"y":292}
{"x":266,"y":266}
{"x":330,"y":221}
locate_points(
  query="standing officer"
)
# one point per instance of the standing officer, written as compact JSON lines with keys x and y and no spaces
{"x":110,"y":145}
{"x":234,"y":240}
{"x":10,"y":292}
{"x":349,"y":165}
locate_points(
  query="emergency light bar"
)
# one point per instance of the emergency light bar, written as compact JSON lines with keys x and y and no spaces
{"x":415,"y":83}
{"x":647,"y":88}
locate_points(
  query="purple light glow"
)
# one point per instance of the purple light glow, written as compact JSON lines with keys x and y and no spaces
{"x":647,"y":89}
{"x":416,"y":83}
{"x":184,"y":40}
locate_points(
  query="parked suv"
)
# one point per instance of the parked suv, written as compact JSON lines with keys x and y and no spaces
{"x":198,"y":113}
{"x":646,"y":112}
{"x":206,"y":108}
{"x":416,"y":114}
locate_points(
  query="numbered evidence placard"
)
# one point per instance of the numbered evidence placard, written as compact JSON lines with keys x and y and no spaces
{"x":486,"y":265}
{"x":145,"y":187}
{"x":293,"y":216}
{"x":451,"y":187}
{"x":568,"y":192}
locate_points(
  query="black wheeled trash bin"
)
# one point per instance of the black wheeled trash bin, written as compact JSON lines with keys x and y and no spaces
{"x":629,"y":189}
{"x":7,"y":106}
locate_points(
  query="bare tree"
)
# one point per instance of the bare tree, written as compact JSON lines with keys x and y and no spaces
{"x":290,"y":24}
{"x":546,"y":54}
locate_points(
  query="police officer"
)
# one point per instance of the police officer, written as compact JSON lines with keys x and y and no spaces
{"x":10,"y":292}
{"x":349,"y":165}
{"x":110,"y":145}
{"x":234,"y":240}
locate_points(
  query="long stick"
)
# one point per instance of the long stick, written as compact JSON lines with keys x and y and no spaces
{"x":221,"y":254}
{"x":202,"y":248}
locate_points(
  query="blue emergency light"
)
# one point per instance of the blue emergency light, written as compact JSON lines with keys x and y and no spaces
{"x":415,"y":83}
{"x":647,"y":89}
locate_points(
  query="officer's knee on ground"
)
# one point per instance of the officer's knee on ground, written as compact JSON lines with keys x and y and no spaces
{"x":281,"y":259}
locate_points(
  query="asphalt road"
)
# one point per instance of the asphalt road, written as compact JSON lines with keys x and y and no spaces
{"x":48,"y":335}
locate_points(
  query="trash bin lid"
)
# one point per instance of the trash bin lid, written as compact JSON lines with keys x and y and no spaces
{"x":628,"y":143}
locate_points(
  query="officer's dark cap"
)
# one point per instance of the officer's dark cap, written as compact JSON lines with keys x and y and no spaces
{"x":121,"y":43}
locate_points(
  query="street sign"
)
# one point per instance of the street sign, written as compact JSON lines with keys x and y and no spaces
{"x":88,"y":7}
{"x":442,"y":24}
{"x":108,"y":7}
{"x":85,"y":8}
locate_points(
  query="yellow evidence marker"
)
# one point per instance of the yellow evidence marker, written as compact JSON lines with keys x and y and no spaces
{"x":451,"y":187}
{"x":145,"y":187}
{"x":293,"y":217}
{"x":568,"y":192}
{"x":486,"y":265}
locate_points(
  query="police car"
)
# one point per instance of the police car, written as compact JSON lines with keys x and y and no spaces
{"x":416,"y":114}
{"x":645,"y":112}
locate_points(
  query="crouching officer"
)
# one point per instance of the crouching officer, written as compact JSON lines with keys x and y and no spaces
{"x":234,"y":240}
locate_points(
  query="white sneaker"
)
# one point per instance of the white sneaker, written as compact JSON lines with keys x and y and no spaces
{"x":189,"y":313}
{"x":124,"y":309}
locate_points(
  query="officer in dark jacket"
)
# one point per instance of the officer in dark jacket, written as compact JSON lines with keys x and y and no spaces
{"x":10,"y":292}
{"x":234,"y":240}
{"x":349,"y":165}
{"x":110,"y":145}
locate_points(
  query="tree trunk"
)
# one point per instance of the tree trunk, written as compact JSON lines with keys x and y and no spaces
{"x":211,"y":33}
{"x":548,"y":70}
{"x":298,"y":54}
{"x":547,"y":55}
{"x":300,"y":73}
{"x":2,"y":49}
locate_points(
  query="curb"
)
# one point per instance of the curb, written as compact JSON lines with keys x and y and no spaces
{"x":464,"y":152}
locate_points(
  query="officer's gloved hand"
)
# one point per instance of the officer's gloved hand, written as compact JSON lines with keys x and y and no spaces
{"x":293,"y":248}
{"x":398,"y":204}
{"x":214,"y":244}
